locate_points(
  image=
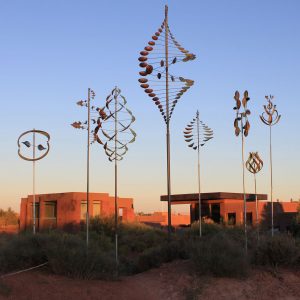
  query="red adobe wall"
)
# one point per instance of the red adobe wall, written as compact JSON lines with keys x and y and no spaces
{"x":162,"y":219}
{"x":69,"y":208}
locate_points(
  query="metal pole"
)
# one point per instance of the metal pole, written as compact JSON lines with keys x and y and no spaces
{"x":256,"y":207}
{"x":245,"y":201}
{"x":116,"y":181}
{"x":33,"y":187}
{"x":168,"y":122}
{"x":271,"y":169}
{"x":199,"y":185}
{"x":88,"y":169}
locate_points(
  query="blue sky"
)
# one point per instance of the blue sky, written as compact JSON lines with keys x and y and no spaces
{"x":52,"y":51}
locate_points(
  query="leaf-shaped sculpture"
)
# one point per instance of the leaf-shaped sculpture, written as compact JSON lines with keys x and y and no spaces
{"x":27,"y":144}
{"x":241,"y":123}
{"x":270,"y":116}
{"x":164,"y":88}
{"x":254,"y":163}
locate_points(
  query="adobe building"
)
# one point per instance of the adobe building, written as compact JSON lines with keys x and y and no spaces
{"x":229,"y":208}
{"x":161,"y":219}
{"x":60,"y":209}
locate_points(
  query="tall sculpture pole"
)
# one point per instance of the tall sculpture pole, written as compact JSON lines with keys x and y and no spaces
{"x":115,"y":134}
{"x":254,"y":164}
{"x":164,"y":88}
{"x":87,"y":125}
{"x":270,"y":117}
{"x":197,"y":137}
{"x":40,"y":147}
{"x":242,"y":125}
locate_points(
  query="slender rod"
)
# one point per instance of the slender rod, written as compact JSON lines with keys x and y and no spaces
{"x":88,"y":170}
{"x":168,"y":122}
{"x":244,"y":190}
{"x":116,"y":180}
{"x":271,"y":170}
{"x":199,"y":182}
{"x":33,"y":184}
{"x":256,"y":207}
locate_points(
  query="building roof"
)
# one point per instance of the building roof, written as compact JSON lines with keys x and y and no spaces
{"x":211,"y":196}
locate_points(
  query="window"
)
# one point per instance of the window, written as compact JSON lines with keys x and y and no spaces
{"x":37,"y":210}
{"x":249,"y":218}
{"x":121,"y":210}
{"x":96,"y":208}
{"x":83,"y":209}
{"x":231,"y":218}
{"x":50,"y":209}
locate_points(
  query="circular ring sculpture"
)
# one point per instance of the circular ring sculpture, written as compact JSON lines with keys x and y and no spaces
{"x":40,"y":147}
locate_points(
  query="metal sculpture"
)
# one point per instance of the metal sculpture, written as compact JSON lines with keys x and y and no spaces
{"x":196,"y":133}
{"x":270,"y":117}
{"x":164,"y":88}
{"x":242,"y":125}
{"x":97,"y":115}
{"x":254,"y":164}
{"x":44,"y":150}
{"x":115,"y":134}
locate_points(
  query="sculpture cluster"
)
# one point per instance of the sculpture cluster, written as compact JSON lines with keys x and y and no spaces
{"x":153,"y":64}
{"x":197,"y":137}
{"x":241,"y":123}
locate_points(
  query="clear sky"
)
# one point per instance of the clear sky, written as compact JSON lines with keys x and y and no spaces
{"x":52,"y":51}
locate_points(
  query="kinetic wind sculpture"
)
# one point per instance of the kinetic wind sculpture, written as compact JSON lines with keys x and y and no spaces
{"x":44,"y":150}
{"x":164,"y":88}
{"x":196,"y":133}
{"x":115,"y":134}
{"x":97,"y":115}
{"x":270,"y":117}
{"x":242,"y":125}
{"x":254,"y":164}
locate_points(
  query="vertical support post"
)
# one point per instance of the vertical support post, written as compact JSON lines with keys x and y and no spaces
{"x":116,"y":178}
{"x":271,"y":169}
{"x":168,"y":122}
{"x":256,"y":208}
{"x":199,"y":183}
{"x":33,"y":183}
{"x":244,"y":190}
{"x":88,"y":169}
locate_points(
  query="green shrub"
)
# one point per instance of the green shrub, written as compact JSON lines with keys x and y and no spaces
{"x":21,"y":251}
{"x":219,"y":255}
{"x":280,"y":250}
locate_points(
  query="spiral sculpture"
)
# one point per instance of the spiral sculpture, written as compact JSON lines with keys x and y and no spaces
{"x":115,"y":134}
{"x":164,"y":88}
{"x":196,"y":134}
{"x":270,"y":117}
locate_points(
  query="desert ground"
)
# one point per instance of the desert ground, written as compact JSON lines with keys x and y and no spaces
{"x":171,"y":281}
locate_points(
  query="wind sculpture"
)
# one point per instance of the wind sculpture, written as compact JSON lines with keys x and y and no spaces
{"x":196,"y":133}
{"x":44,"y":150}
{"x":270,"y":117}
{"x":115,"y":134}
{"x":97,"y":115}
{"x":164,"y":88}
{"x":254,"y":164}
{"x":242,"y":125}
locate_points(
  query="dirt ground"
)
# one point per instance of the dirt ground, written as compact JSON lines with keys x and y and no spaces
{"x":171,"y":281}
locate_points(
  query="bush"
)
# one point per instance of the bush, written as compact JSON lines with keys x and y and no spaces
{"x":280,"y":250}
{"x":220,"y":255}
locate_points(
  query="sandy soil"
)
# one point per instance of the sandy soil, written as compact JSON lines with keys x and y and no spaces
{"x":171,"y":281}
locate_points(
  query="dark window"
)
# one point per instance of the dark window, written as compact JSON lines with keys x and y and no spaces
{"x":215,"y":213}
{"x":50,"y":209}
{"x":249,"y":218}
{"x":37,"y":210}
{"x":231,"y":218}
